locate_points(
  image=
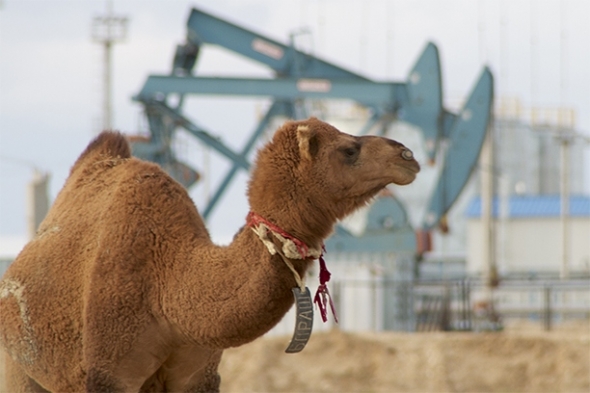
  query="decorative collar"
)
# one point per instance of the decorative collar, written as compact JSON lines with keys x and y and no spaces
{"x":293,"y":248}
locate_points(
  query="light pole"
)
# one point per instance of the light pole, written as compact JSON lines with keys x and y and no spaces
{"x":564,"y":271}
{"x":108,"y":30}
{"x":564,"y":132}
{"x":566,"y":137}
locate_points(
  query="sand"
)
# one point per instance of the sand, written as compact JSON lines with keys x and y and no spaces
{"x":517,"y":360}
{"x":425,"y":362}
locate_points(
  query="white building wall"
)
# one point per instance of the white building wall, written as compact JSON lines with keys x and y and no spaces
{"x":532,"y":245}
{"x":359,"y":289}
{"x":358,"y":303}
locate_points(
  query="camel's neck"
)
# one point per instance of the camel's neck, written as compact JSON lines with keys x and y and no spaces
{"x":292,"y":204}
{"x":309,"y":224}
{"x":230,"y":295}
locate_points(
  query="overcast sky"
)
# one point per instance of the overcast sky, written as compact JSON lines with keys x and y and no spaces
{"x":50,"y":70}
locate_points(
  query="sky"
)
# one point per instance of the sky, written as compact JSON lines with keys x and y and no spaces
{"x":51,"y":71}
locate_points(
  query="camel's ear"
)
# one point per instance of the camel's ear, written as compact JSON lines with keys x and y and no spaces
{"x":308,"y":143}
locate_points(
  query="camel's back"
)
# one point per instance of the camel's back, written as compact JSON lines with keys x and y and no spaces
{"x":114,"y":217}
{"x":106,"y":145}
{"x":109,"y":191}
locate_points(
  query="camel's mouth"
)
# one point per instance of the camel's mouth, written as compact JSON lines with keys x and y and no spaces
{"x":406,"y":172}
{"x":413,"y":166}
{"x":410,"y":165}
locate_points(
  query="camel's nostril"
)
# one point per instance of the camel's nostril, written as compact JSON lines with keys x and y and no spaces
{"x":407,"y":155}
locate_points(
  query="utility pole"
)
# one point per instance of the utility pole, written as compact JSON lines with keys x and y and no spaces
{"x":37,"y":201}
{"x":566,"y":138}
{"x":564,"y":272}
{"x":488,"y":174}
{"x":564,"y":132}
{"x":108,"y":30}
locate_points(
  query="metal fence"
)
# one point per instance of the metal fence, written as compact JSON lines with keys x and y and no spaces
{"x":458,"y":305}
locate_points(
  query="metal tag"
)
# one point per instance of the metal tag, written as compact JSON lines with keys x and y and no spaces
{"x":304,"y":321}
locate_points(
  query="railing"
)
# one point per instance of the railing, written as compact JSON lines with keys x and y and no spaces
{"x":460,"y":305}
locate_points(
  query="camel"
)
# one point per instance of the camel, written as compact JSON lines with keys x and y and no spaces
{"x":122,"y":288}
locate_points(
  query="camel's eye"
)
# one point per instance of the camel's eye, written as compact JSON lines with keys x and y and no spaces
{"x":350,"y":153}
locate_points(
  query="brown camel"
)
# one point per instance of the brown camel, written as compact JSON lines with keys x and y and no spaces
{"x":122,"y":288}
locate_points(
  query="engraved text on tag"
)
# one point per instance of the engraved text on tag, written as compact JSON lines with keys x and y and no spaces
{"x":303,"y":322}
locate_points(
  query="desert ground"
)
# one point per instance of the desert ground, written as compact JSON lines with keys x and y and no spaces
{"x":519,"y":359}
{"x":512,"y":361}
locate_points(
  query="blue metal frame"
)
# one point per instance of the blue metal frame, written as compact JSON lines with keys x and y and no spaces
{"x":384,"y":95}
{"x":284,"y":60}
{"x":464,"y":149}
{"x":278,"y":108}
{"x":301,"y":76}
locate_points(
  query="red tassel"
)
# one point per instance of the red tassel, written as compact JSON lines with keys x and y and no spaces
{"x":322,"y":295}
{"x":324,"y":273}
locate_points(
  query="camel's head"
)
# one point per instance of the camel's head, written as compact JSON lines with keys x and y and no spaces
{"x":310,"y":166}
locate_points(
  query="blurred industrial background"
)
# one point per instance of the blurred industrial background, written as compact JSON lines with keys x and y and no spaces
{"x":492,"y":96}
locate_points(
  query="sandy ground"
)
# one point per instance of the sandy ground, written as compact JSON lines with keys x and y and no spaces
{"x":516,"y":360}
{"x":426,"y":362}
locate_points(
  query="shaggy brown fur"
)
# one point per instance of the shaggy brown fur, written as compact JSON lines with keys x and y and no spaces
{"x":122,"y":288}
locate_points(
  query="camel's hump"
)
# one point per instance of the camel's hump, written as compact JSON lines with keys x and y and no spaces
{"x":106,"y":144}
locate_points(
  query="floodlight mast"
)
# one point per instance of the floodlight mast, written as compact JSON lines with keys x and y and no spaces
{"x":108,"y":30}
